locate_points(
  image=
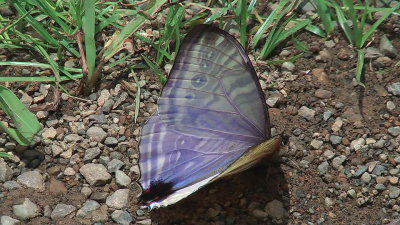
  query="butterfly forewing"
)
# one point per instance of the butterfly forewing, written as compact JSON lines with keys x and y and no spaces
{"x":213,"y":87}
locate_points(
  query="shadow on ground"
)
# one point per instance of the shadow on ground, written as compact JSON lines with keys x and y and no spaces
{"x":230,"y":201}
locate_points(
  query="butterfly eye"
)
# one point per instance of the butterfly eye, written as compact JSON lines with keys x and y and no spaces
{"x":199,"y":80}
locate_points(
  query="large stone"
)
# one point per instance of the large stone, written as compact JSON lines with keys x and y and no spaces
{"x":386,"y":47}
{"x":32,"y":179}
{"x":323,"y":94}
{"x":96,"y":134}
{"x":100,"y":214}
{"x":338,"y":161}
{"x":12,"y":184}
{"x":73,"y":138}
{"x":88,"y":207}
{"x":122,"y":179}
{"x":56,"y":150}
{"x":316,"y":144}
{"x":61,"y":211}
{"x":394,"y":88}
{"x":119,"y":199}
{"x":395,"y":131}
{"x":57,"y":187}
{"x":6,"y":220}
{"x":114,"y":165}
{"x":121,"y":217}
{"x":26,"y":210}
{"x":5,"y":171}
{"x":95,"y":174}
{"x":49,"y":133}
{"x":91,"y":153}
{"x":357,"y":144}
{"x":394,"y":192}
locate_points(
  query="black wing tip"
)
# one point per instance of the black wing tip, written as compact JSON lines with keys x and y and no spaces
{"x":158,"y":190}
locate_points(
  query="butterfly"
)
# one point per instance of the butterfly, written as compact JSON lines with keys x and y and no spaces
{"x":212,"y":120}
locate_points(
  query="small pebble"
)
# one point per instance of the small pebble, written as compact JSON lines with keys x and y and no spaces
{"x":306,"y":113}
{"x":275,"y":209}
{"x":288,"y":66}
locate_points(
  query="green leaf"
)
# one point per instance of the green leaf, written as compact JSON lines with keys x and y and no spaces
{"x":26,"y":124}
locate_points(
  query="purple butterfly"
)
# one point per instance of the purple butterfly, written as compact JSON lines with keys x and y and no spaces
{"x":212,"y":119}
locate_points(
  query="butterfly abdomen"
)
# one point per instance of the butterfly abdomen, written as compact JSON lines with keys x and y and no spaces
{"x":158,"y":190}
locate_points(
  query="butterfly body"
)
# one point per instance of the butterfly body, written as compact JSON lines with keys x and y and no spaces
{"x":210,"y":115}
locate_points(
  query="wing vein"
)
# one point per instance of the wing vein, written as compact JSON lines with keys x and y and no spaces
{"x":234,"y":106}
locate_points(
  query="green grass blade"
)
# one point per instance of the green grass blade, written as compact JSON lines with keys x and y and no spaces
{"x":268,"y":46}
{"x":271,"y":18}
{"x":315,"y":30}
{"x":25,"y":122}
{"x":115,"y":45}
{"x":35,"y":24}
{"x":137,"y":98}
{"x":111,"y":65}
{"x":5,"y":155}
{"x":280,"y":61}
{"x":52,"y":63}
{"x":300,"y":25}
{"x":170,"y":32}
{"x":155,"y":69}
{"x":88,"y":27}
{"x":150,"y":42}
{"x":374,"y":26}
{"x":251,"y":6}
{"x":299,"y":44}
{"x":50,"y":11}
{"x":325,"y":15}
{"x":243,"y":22}
{"x":14,"y":23}
{"x":360,"y":66}
{"x":40,"y":79}
{"x":219,"y":12}
{"x":343,"y":23}
{"x":39,"y":65}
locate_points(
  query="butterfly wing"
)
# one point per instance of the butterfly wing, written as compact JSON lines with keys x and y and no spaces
{"x":211,"y":110}
{"x":252,"y":156}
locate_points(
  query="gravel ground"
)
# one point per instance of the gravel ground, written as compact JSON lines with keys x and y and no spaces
{"x":340,"y":163}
